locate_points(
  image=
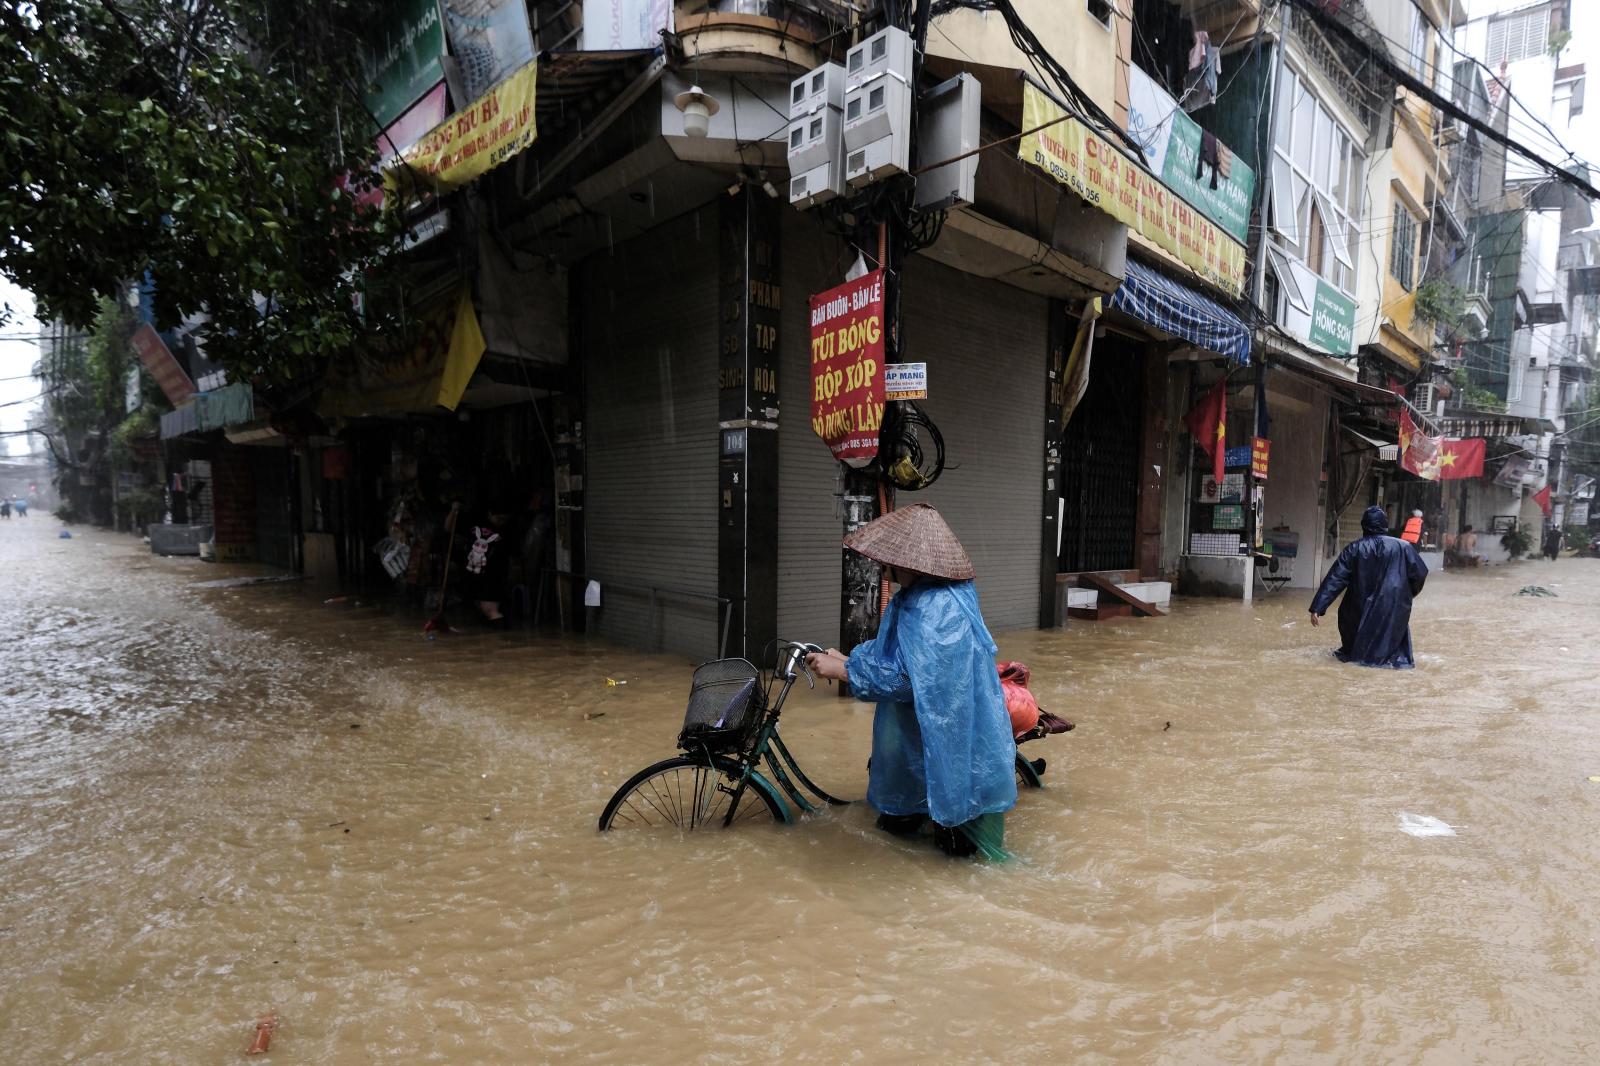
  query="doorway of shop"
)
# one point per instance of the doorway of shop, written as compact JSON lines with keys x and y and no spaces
{"x":1100,"y":463}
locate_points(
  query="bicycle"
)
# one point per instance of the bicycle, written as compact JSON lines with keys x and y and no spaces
{"x":730,"y":731}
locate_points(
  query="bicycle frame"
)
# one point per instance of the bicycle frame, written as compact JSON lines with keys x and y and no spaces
{"x":770,"y":749}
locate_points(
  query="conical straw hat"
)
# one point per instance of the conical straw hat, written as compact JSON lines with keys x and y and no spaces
{"x":914,"y":538}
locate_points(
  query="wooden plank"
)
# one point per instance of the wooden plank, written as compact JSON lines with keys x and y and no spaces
{"x":1110,"y":588}
{"x":1100,"y":613}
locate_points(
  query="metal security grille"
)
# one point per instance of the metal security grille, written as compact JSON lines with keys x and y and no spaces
{"x":275,"y":534}
{"x":1100,"y":463}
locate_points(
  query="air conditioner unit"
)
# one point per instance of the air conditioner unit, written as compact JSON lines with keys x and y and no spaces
{"x":1426,"y":399}
{"x":1452,"y":130}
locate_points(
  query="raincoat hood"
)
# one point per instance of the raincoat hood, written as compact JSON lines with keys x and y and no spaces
{"x":1375,"y":520}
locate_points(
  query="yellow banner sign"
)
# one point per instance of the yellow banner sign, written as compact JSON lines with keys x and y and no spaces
{"x":479,"y":137}
{"x":432,"y":374}
{"x":1092,"y":167}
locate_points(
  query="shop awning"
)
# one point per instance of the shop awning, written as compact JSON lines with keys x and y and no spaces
{"x":1387,"y":449}
{"x":205,"y":411}
{"x":1182,"y":311}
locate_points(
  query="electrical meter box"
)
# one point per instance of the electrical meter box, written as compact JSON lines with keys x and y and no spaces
{"x":948,"y":127}
{"x":877,"y":107}
{"x":816,"y":136}
{"x":885,"y":52}
{"x":877,"y":121}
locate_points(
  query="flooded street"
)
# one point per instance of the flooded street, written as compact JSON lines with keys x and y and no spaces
{"x":220,"y":802}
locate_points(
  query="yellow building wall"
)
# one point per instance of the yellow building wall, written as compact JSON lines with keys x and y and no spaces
{"x":1413,"y":169}
{"x":1093,"y":54}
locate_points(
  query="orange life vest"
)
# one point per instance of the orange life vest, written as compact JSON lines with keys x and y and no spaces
{"x":1413,"y":533}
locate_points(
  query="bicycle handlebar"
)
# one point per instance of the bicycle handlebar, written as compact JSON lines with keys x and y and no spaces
{"x":799,"y":650}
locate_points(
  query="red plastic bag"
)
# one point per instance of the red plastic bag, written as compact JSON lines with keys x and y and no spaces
{"x":1021,"y":705}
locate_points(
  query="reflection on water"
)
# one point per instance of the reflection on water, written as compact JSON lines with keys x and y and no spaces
{"x":218,"y":802}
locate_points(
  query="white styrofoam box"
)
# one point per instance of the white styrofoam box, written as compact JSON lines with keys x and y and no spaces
{"x":886,"y":52}
{"x":820,"y":87}
{"x":877,"y":120}
{"x":1082,"y":598}
{"x":1156,"y":592}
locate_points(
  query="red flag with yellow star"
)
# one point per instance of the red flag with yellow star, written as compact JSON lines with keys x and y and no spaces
{"x":1209,"y":424}
{"x":1461,"y":457}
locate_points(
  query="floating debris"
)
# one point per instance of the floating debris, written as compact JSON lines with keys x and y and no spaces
{"x":1534,"y":590}
{"x":265,"y":1027}
{"x":1423,"y":825}
{"x":241,"y":582}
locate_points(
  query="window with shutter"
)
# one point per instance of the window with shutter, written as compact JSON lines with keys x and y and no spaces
{"x":1497,"y":41}
{"x":1519,"y":36}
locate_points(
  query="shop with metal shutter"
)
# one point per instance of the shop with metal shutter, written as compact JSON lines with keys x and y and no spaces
{"x":275,"y":527}
{"x":649,"y":334}
{"x":984,"y":344}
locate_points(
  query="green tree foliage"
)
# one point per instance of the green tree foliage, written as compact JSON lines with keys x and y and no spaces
{"x":201,"y":142}
{"x":85,"y":381}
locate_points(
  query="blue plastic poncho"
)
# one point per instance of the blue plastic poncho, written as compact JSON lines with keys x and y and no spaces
{"x":941,"y":739}
{"x":1379,"y":575}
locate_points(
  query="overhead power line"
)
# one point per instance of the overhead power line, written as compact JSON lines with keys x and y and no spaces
{"x":1381,"y":58}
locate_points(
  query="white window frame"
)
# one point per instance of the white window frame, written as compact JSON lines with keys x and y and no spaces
{"x":1290,"y":212}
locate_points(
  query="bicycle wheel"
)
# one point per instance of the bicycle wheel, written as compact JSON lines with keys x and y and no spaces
{"x":685,"y":793}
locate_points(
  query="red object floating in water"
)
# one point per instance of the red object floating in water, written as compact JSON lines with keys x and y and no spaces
{"x":264,"y":1029}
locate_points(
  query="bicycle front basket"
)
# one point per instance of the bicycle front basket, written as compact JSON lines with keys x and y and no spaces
{"x":725,"y":706}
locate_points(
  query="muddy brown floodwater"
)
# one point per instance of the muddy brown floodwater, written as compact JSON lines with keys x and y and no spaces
{"x":193,"y":832}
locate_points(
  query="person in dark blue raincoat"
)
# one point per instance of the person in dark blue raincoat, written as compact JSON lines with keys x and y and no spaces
{"x":1379,"y":576}
{"x":942,"y":746}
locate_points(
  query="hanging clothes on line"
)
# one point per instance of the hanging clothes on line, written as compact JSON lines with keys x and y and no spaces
{"x":1205,"y":64}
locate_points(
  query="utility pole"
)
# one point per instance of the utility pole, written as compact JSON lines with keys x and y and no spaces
{"x":864,"y":587}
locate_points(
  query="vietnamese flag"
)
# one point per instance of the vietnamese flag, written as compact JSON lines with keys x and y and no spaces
{"x":1542,"y":498}
{"x":1459,"y":458}
{"x":1209,"y":424}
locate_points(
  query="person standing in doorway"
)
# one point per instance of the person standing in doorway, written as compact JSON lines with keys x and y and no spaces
{"x":942,"y":746}
{"x":1552,"y":542}
{"x":1412,"y":534}
{"x":1379,"y":575}
{"x":489,"y":565}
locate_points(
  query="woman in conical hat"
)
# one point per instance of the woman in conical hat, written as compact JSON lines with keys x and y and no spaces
{"x":941,"y":739}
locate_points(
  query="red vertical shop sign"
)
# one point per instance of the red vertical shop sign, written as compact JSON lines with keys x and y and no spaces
{"x":847,"y":326}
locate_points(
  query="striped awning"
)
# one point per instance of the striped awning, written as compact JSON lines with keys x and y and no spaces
{"x":1182,"y":311}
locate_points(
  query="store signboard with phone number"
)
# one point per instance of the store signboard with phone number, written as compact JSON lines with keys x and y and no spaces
{"x":847,"y":368}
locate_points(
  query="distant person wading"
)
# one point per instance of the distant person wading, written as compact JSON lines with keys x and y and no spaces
{"x":1379,"y":576}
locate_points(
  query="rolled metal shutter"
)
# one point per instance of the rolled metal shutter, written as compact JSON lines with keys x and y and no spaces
{"x":650,"y":334}
{"x":984,"y":344}
{"x":809,"y":523}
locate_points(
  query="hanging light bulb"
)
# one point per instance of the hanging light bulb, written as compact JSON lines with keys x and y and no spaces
{"x":697,"y":106}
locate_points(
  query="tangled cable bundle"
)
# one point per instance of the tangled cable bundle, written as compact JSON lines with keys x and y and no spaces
{"x":910,"y":447}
